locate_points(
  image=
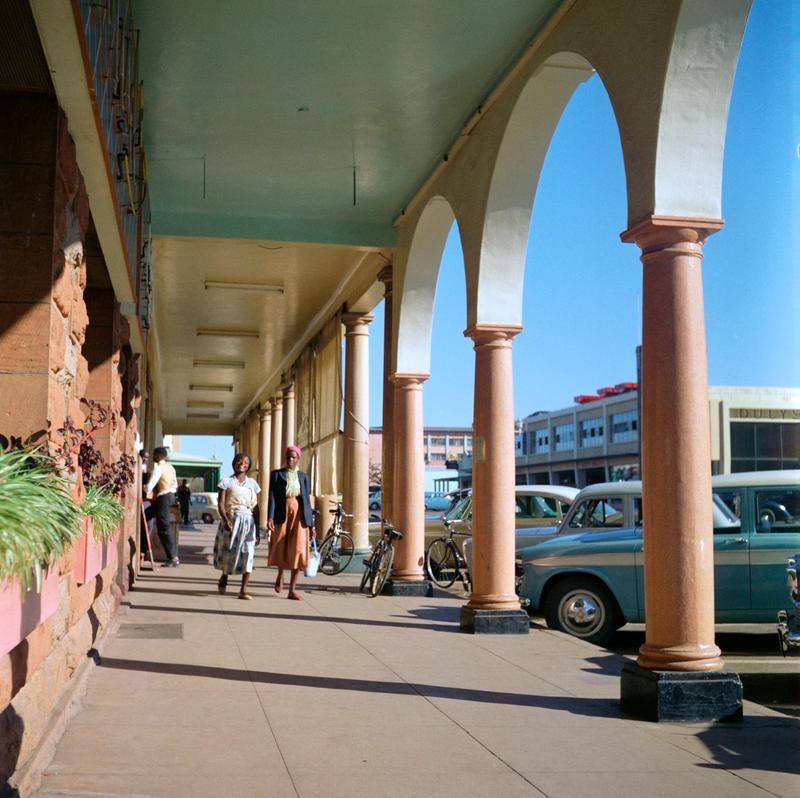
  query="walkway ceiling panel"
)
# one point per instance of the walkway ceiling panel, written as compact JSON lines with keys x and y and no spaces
{"x":257,"y":114}
{"x":316,"y":281}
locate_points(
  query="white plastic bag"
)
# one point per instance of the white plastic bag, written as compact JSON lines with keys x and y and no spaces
{"x":313,"y":560}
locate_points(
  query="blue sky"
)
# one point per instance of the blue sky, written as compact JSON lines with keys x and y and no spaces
{"x":576,"y":341}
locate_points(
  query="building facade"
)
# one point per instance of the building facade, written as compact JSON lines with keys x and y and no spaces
{"x":599,"y":438}
{"x":441,"y":446}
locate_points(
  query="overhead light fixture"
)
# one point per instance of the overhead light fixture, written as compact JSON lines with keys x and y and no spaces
{"x":202,"y":415}
{"x":228,"y":388}
{"x":228,"y":333}
{"x":200,"y":403}
{"x":218,"y":364}
{"x":272,"y":289}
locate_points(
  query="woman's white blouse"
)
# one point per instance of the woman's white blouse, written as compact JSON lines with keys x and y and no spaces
{"x":239,"y":496}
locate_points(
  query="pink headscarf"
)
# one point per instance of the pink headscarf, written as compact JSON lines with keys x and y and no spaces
{"x":295,"y":449}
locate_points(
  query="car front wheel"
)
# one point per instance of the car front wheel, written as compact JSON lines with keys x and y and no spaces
{"x":582,"y":608}
{"x":207,"y":519}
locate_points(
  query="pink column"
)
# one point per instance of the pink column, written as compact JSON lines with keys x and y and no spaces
{"x":676,"y":458}
{"x":277,"y":425}
{"x":288,"y":415}
{"x":264,"y":442}
{"x":387,"y":428}
{"x":356,"y":427}
{"x":408,"y":576}
{"x":493,"y":606}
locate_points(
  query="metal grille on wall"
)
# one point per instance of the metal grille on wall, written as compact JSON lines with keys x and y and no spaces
{"x":112,"y":47}
{"x":146,"y":269}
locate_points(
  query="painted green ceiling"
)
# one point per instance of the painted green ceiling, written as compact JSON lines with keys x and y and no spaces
{"x":386,"y":86}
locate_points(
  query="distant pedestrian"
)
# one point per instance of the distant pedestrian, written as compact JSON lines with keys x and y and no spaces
{"x":290,"y":520}
{"x":184,"y":497}
{"x":162,"y":487}
{"x":237,"y":535}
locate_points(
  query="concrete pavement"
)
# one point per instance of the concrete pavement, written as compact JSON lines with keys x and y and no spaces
{"x":199,"y":694}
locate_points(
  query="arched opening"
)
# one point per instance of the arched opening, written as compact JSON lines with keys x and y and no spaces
{"x":581,"y":305}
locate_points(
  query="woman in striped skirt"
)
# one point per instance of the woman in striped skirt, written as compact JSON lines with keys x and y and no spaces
{"x":237,"y":535}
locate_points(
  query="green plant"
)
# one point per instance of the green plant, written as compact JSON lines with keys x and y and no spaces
{"x":105,"y":511}
{"x":38,"y":519}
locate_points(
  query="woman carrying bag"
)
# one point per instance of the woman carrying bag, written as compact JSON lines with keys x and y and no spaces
{"x":237,"y":535}
{"x":290,"y":521}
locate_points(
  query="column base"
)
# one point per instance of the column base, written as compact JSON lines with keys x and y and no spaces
{"x":681,"y":696}
{"x":396,"y":588}
{"x":494,"y":622}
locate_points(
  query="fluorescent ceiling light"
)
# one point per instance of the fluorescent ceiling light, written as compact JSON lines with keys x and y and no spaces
{"x":228,"y":333}
{"x":273,"y":289}
{"x":211,"y":388}
{"x":201,"y":403}
{"x":219,"y":364}
{"x":202,"y":415}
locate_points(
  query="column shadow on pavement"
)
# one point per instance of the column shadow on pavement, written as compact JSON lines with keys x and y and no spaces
{"x":595,"y":707}
{"x":279,"y":616}
{"x":758,"y":743}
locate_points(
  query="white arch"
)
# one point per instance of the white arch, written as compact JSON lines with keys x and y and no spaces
{"x":515,"y":178}
{"x":694,"y":108}
{"x":418,"y":291}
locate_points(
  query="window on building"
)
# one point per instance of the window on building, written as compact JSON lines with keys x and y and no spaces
{"x":625,"y":427}
{"x":542,"y":438}
{"x":564,"y":437}
{"x":437,"y":440}
{"x":764,"y":446}
{"x":622,"y":473}
{"x":592,"y":432}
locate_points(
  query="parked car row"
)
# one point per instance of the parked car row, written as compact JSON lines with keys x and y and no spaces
{"x":588,"y":579}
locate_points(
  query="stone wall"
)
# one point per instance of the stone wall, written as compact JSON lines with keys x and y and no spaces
{"x":61,"y":340}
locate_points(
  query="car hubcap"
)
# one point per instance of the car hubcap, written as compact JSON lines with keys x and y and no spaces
{"x":581,"y":613}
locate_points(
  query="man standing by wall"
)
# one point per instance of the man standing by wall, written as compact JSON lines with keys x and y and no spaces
{"x":163,"y":485}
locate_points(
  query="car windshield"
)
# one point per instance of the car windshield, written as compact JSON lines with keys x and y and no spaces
{"x":724,"y":517}
{"x":600,"y":512}
{"x":459,"y":509}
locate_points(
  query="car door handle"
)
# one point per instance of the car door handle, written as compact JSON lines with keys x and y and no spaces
{"x":738,"y":540}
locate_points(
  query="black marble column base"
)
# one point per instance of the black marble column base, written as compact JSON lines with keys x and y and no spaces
{"x":494,"y":622}
{"x":681,"y":696}
{"x":422,"y":588}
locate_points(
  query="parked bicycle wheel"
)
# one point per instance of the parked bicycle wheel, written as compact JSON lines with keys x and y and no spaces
{"x":382,"y":571}
{"x":335,"y":553}
{"x":367,"y":575}
{"x":441,"y":563}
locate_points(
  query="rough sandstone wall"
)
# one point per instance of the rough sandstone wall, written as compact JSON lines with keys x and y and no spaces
{"x":44,"y":373}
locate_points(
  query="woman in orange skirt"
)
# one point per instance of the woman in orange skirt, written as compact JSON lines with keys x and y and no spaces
{"x":290,"y":520}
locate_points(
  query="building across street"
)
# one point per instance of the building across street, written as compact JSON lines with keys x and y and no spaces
{"x":598,"y":439}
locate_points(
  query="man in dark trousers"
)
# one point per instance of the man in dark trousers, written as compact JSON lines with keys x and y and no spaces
{"x":163,"y":486}
{"x":184,"y":495}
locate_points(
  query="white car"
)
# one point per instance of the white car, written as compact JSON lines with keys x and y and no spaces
{"x":539,"y":511}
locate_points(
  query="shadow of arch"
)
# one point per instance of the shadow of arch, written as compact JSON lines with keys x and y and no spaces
{"x":515,"y":179}
{"x":694,"y":108}
{"x":577,"y":705}
{"x":415,"y":316}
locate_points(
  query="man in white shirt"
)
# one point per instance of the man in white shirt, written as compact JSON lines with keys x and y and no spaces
{"x":163,"y":485}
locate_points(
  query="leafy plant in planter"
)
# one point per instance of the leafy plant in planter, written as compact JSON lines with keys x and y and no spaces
{"x":38,"y":519}
{"x":104,"y":510}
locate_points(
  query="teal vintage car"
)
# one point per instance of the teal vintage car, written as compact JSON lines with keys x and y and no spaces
{"x":588,"y":580}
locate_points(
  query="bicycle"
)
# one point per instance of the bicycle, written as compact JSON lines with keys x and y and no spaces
{"x":379,"y":564}
{"x":336,"y":550}
{"x":444,"y":562}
